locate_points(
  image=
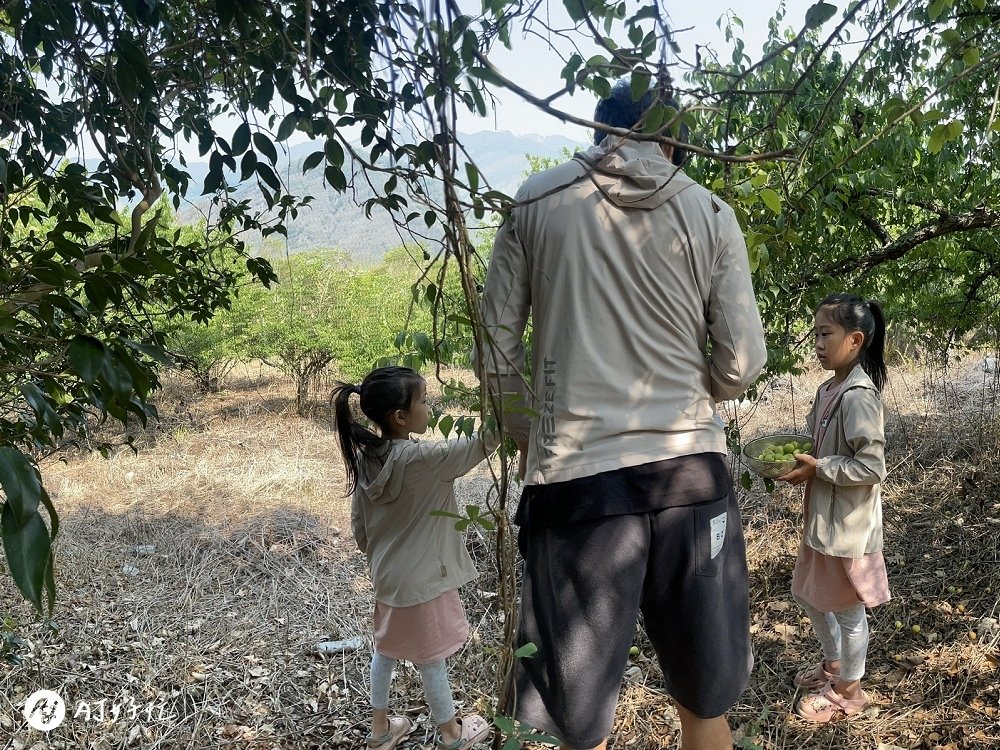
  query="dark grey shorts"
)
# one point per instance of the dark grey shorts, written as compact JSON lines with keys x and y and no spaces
{"x":584,"y":586}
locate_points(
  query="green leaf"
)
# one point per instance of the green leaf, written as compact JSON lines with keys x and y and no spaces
{"x":894,"y":107}
{"x":819,"y":14}
{"x":226,"y":10}
{"x":264,"y":145}
{"x":87,"y":357}
{"x":247,"y":165}
{"x":268,"y":175}
{"x":504,"y":724}
{"x":213,"y":181}
{"x":746,"y":481}
{"x":601,"y":87}
{"x":971,"y":56}
{"x":335,"y":178}
{"x":472,"y":174}
{"x":640,"y":83}
{"x":485,"y":74}
{"x":44,"y":412}
{"x":937,"y":8}
{"x":445,"y":424}
{"x":241,"y":139}
{"x":21,"y":484}
{"x":28,"y":549}
{"x":576,"y":10}
{"x":117,"y":376}
{"x":334,"y":152}
{"x":312,"y":161}
{"x":287,"y":126}
{"x":771,"y":199}
{"x":526,"y":651}
{"x":942,"y":133}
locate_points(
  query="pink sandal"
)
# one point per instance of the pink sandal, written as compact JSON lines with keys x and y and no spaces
{"x":474,"y":729}
{"x":815,"y":677}
{"x":399,"y":729}
{"x":828,"y":706}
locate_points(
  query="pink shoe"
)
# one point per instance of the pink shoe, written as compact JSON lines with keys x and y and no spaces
{"x":399,"y":729}
{"x":474,"y":729}
{"x":814,"y":677}
{"x":827,"y":706}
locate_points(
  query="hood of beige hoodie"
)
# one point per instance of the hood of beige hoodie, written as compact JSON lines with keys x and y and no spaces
{"x":633,"y":174}
{"x":387,"y":482}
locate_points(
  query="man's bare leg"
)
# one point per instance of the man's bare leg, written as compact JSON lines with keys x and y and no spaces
{"x":704,"y":734}
{"x":602,"y":746}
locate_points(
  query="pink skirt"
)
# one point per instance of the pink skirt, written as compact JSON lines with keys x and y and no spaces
{"x":423,"y":633}
{"x":833,"y":584}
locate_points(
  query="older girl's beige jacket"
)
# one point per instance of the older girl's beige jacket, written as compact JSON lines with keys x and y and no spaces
{"x":844,"y":517}
{"x":414,"y":556}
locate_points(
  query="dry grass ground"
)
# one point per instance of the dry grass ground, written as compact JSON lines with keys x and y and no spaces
{"x":206,"y":641}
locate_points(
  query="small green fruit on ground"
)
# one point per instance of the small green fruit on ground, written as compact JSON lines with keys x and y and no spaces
{"x":915,"y":628}
{"x":634,"y":651}
{"x":899,"y":625}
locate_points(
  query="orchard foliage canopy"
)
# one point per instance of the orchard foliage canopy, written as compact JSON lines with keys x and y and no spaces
{"x":858,"y":152}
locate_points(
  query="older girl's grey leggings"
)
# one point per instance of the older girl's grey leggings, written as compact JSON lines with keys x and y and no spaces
{"x":434,"y":677}
{"x":843,"y":636}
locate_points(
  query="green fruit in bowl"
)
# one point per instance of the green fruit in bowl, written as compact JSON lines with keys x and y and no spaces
{"x":807,"y":447}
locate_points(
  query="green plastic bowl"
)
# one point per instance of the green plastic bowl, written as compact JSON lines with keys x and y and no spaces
{"x":771,"y":469}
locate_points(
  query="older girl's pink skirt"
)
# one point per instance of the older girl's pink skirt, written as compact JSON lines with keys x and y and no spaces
{"x":833,"y":584}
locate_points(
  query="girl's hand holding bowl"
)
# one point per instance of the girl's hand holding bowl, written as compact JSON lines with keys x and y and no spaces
{"x":803,"y":472}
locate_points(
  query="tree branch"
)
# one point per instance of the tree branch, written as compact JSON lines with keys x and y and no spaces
{"x":979,"y":218}
{"x":877,"y":229}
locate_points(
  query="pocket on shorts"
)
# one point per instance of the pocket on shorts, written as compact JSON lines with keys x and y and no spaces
{"x":711,"y":527}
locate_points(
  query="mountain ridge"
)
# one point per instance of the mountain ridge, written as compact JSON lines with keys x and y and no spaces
{"x":336,"y":220}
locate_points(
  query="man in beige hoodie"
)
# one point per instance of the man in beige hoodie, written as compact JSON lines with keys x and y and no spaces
{"x":637,"y":283}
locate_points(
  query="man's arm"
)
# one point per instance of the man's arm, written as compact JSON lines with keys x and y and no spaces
{"x":504,"y":312}
{"x":734,"y":327}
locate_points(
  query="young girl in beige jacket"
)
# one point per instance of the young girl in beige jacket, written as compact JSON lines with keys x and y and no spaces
{"x":417,"y":560}
{"x":840,"y":569}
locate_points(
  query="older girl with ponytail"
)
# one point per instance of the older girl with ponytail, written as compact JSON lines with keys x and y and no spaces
{"x":840,"y":569}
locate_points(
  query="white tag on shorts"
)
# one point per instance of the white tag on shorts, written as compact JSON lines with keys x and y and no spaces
{"x":718,"y":531}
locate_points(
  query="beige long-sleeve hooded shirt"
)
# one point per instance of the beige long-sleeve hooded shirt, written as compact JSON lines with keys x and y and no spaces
{"x":844,"y":517}
{"x":630,"y":271}
{"x":414,"y":556}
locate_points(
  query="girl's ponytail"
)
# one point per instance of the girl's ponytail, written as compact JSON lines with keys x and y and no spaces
{"x":873,"y":356}
{"x":354,"y":439}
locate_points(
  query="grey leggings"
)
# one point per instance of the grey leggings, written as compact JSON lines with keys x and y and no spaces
{"x":434,"y":677}
{"x":843,"y":636}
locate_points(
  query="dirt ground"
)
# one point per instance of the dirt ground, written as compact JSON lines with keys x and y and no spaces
{"x":196,"y":577}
